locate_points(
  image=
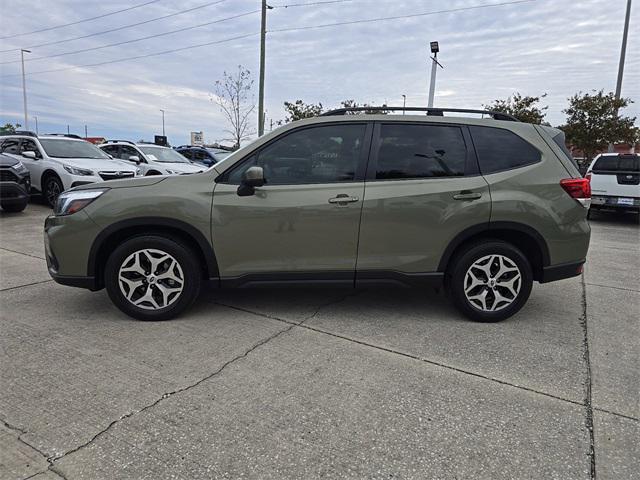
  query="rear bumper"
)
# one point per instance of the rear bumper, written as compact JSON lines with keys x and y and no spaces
{"x":559,"y":272}
{"x":613,"y":201}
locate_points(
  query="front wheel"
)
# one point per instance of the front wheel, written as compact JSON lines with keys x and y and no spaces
{"x":52,"y":189}
{"x":152,"y":277}
{"x":490,"y":281}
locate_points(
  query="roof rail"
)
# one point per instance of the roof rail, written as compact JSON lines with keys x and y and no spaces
{"x":430,"y":111}
{"x":68,"y":135}
{"x":120,"y":141}
{"x":24,"y":133}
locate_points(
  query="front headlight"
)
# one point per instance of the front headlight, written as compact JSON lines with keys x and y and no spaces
{"x":74,"y":201}
{"x":77,"y":171}
{"x":20,"y":168}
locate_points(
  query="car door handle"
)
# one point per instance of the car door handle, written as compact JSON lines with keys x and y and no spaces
{"x":343,"y":199}
{"x":467,"y":195}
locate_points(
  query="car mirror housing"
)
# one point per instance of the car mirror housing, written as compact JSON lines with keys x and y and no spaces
{"x":135,"y":158}
{"x":29,"y":154}
{"x":253,"y":177}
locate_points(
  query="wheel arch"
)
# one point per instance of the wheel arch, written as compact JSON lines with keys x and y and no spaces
{"x":526,"y":238}
{"x":109,"y":238}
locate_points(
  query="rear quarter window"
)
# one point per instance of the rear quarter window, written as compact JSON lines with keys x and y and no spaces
{"x":500,"y":149}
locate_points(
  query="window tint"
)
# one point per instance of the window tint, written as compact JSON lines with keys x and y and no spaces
{"x":127,"y":151}
{"x":11,"y":146}
{"x":186,"y":153}
{"x":324,"y":154}
{"x":111,"y":150}
{"x":615,"y":163}
{"x":30,"y":146}
{"x":500,"y":149}
{"x":420,"y":151}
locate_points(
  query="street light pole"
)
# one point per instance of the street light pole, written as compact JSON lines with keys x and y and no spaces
{"x":435,"y":48}
{"x":404,"y":102}
{"x":623,"y":52}
{"x":162,"y":122}
{"x":24,"y":89}
{"x":36,"y":125}
{"x":263,"y":46}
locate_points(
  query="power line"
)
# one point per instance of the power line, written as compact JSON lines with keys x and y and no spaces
{"x":144,"y":22}
{"x":275,"y":31}
{"x":124,"y":42}
{"x":398,"y":17}
{"x":79,"y":21}
{"x":309,"y":4}
{"x":137,"y":57}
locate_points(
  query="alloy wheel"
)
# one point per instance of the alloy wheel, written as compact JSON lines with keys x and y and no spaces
{"x":151,"y":279}
{"x":53,"y":191}
{"x":492,"y":283}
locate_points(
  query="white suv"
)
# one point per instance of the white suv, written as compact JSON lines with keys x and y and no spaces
{"x":615,"y":181}
{"x":60,"y":162}
{"x":151,"y":158}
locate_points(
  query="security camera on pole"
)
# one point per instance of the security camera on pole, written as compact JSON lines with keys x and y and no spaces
{"x":435,"y":48}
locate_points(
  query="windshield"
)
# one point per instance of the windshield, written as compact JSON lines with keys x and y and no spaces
{"x":221,"y":155}
{"x":163,"y":155}
{"x":65,"y":148}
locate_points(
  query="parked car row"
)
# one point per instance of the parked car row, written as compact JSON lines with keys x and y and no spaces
{"x":51,"y":164}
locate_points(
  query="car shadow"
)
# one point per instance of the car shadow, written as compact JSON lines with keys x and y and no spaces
{"x":614,"y":217}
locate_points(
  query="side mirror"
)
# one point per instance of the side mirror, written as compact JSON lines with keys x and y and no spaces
{"x":253,"y":177}
{"x":29,"y":154}
{"x":135,"y":158}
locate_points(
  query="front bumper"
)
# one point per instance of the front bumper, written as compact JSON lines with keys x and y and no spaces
{"x":67,"y":243}
{"x":13,"y":193}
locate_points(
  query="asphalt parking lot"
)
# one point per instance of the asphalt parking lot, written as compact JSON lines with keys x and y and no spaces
{"x":384,"y":383}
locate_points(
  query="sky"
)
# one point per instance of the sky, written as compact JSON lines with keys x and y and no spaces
{"x":557,"y":47}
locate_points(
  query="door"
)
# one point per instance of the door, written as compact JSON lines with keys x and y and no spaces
{"x":304,"y":221}
{"x":35,"y":166}
{"x":422,"y":189}
{"x":126,"y":152}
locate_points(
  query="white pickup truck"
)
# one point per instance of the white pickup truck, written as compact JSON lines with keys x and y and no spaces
{"x":615,"y":181}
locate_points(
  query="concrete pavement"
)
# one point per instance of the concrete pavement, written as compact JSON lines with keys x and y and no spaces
{"x":306,"y":383}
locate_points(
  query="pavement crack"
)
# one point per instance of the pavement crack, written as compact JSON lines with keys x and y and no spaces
{"x":587,"y":393}
{"x":25,"y":285}
{"x":21,"y":253}
{"x":166,"y":395}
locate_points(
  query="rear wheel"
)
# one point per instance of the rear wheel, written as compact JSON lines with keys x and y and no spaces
{"x":152,"y":277}
{"x":490,"y":281}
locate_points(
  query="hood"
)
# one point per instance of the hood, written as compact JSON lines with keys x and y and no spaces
{"x":126,"y":183}
{"x":99,"y":164}
{"x":182,"y":167}
{"x":7,"y":161}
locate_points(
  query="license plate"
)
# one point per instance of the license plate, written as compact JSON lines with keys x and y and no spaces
{"x":625,"y":201}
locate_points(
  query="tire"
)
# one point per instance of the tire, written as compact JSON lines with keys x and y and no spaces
{"x":495,"y":297}
{"x":14,"y":207}
{"x":133,"y":287}
{"x":52,"y":188}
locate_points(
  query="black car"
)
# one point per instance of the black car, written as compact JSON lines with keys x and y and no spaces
{"x":203,"y":155}
{"x":15,"y":184}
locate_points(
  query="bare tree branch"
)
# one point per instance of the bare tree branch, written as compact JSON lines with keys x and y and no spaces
{"x":233,"y":95}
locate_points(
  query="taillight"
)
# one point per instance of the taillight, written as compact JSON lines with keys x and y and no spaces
{"x":578,"y":188}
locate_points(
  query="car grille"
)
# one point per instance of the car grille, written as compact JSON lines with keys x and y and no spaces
{"x":7,"y":176}
{"x":115,"y":175}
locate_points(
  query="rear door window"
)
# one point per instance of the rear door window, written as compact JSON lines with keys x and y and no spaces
{"x":407,"y":151}
{"x":500,"y":149}
{"x":11,"y":146}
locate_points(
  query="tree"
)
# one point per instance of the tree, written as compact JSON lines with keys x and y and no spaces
{"x":525,"y":109}
{"x":233,"y":95}
{"x":9,"y":128}
{"x":298,"y":110}
{"x":354,"y":104}
{"x":593,"y":121}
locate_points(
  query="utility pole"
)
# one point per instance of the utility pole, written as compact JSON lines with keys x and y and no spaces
{"x":68,"y":130}
{"x":36,"y":124}
{"x":162,"y":122}
{"x":24,"y":89}
{"x":404,"y":102}
{"x":623,"y":52}
{"x":435,"y":48}
{"x":263,"y":41}
{"x":85,"y":132}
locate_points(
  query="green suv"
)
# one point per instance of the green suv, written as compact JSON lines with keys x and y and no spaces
{"x":483,"y":206}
